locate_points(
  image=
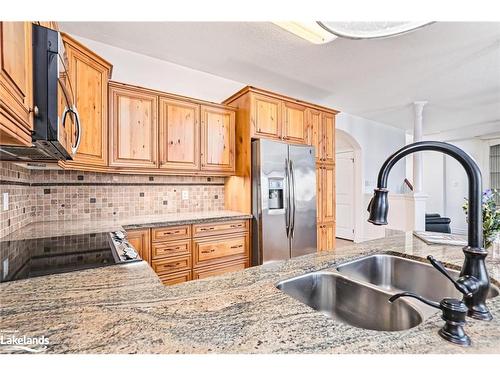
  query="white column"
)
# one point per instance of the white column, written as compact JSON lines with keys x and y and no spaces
{"x":417,"y":156}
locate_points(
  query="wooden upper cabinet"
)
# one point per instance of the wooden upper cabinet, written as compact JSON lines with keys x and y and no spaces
{"x":266,"y":117}
{"x":217,"y":139}
{"x":89,"y":76}
{"x":133,"y":127}
{"x":179,"y":135}
{"x":327,"y":193}
{"x":294,"y":122}
{"x":16,"y":83}
{"x":328,"y":129}
{"x":49,"y":24}
{"x":313,"y":118}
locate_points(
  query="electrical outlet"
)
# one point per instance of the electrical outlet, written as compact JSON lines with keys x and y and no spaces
{"x":185,"y":195}
{"x":5,"y":201}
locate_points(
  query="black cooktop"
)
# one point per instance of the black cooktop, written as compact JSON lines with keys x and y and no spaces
{"x":23,"y":259}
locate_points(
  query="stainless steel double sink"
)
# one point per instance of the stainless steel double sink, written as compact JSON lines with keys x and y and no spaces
{"x":357,"y":292}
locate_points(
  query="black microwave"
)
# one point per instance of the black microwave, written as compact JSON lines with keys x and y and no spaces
{"x":57,"y":128}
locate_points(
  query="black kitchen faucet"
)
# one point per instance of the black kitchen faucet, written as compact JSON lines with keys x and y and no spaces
{"x":474,"y":282}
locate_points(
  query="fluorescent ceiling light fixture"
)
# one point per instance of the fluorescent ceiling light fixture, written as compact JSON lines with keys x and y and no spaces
{"x":311,"y":31}
{"x":371,"y":30}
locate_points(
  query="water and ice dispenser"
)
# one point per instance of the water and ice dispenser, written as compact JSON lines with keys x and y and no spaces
{"x":275,"y":194}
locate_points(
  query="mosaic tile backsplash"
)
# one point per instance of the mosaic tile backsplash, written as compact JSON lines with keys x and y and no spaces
{"x":36,"y":195}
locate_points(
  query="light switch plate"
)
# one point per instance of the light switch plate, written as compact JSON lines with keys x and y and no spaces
{"x":5,"y":201}
{"x":185,"y":195}
{"x":5,"y":268}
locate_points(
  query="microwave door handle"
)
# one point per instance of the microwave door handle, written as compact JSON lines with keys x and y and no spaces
{"x":74,"y":149}
{"x":287,"y":199}
{"x":292,"y":216}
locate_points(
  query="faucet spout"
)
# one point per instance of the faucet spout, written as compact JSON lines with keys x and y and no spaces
{"x":475,"y":253}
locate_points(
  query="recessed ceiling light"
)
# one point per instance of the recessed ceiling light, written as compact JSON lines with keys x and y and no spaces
{"x":310,"y":31}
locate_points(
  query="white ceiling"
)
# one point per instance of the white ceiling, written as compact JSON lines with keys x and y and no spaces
{"x":454,"y":66}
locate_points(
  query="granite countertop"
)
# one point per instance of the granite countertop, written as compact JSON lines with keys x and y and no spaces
{"x":125,"y":309}
{"x":43,"y":229}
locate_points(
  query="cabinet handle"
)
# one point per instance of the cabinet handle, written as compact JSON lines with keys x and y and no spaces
{"x":171,"y":265}
{"x":208,"y":251}
{"x":236,"y":246}
{"x":174,"y":232}
{"x":205,"y":229}
{"x":172,"y":248}
{"x":236,"y":225}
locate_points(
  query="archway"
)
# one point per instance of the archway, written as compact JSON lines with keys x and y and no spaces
{"x":349,"y":187}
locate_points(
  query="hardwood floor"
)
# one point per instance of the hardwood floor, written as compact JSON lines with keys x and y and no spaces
{"x":339,"y":242}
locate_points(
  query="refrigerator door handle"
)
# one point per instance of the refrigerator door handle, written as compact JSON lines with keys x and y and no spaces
{"x":287,"y":199}
{"x":292,"y":200}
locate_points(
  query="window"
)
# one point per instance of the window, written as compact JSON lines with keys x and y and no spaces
{"x":495,"y":169}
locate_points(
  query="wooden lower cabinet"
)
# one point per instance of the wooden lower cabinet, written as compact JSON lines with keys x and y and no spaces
{"x":171,"y":233}
{"x":171,"y":264}
{"x":220,"y":269}
{"x":211,"y":229}
{"x":184,"y":252}
{"x":325,"y":177}
{"x":176,"y":278}
{"x":171,"y":248}
{"x":326,"y":237}
{"x":140,"y":239}
{"x":210,"y":250}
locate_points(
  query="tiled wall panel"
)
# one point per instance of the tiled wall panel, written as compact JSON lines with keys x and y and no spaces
{"x":39,"y":195}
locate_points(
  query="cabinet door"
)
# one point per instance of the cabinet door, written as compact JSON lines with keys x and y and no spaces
{"x":326,"y":237}
{"x":266,"y":117}
{"x":328,"y":193}
{"x":176,"y":278}
{"x":16,"y":83}
{"x":328,"y":135}
{"x":217,"y":139}
{"x":314,"y":136}
{"x":134,"y":128}
{"x":89,"y":79}
{"x":141,"y":241}
{"x":179,"y":135}
{"x":321,"y":237}
{"x":319,"y":192}
{"x":219,"y":269}
{"x":294,"y":120}
{"x":212,"y":250}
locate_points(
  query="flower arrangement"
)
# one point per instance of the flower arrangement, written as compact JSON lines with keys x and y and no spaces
{"x":491,"y":216}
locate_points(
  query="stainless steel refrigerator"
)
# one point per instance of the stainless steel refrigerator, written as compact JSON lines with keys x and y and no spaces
{"x":283,"y":201}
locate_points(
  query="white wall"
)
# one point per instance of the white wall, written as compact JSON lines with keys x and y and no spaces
{"x":141,"y":70}
{"x":377,"y":142}
{"x":446,"y":183}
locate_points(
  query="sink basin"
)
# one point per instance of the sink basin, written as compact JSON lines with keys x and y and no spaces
{"x":351,"y":302}
{"x":393,"y":273}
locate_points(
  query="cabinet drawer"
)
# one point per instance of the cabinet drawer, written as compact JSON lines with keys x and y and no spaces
{"x":220,"y":249}
{"x":201,"y":230}
{"x":171,"y":248}
{"x":219,"y":269}
{"x":170,"y":265}
{"x":171,"y":233}
{"x":176,"y":278}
